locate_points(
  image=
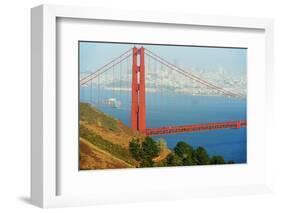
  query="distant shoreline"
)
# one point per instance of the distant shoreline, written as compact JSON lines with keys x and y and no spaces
{"x":149,"y":90}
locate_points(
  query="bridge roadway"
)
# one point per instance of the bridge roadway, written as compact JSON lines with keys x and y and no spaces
{"x":195,"y":128}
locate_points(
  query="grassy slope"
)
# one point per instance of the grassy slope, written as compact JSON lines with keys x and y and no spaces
{"x":98,"y":141}
{"x":92,"y":157}
{"x":104,"y":141}
{"x":94,"y":116}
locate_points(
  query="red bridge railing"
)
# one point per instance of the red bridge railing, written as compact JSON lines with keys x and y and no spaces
{"x":195,"y":128}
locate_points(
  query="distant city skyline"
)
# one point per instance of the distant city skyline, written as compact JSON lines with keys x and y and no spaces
{"x":224,"y":66}
{"x":95,"y":54}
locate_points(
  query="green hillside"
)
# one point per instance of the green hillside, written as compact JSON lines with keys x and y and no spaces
{"x":105,"y":142}
{"x":94,"y":116}
{"x":104,"y":139}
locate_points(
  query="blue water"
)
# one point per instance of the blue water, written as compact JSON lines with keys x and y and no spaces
{"x":180,"y":109}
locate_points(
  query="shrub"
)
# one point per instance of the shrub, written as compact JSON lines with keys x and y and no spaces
{"x":217,"y":159}
{"x":144,"y":151}
{"x":201,"y":156}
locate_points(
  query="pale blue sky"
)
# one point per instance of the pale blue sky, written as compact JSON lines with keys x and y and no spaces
{"x":94,"y":55}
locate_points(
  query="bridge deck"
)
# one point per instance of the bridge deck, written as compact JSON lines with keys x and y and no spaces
{"x":195,"y":128}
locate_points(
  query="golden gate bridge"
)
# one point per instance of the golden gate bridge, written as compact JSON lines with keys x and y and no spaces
{"x":136,"y":63}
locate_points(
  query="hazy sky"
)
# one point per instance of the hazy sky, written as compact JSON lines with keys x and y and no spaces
{"x":94,"y":55}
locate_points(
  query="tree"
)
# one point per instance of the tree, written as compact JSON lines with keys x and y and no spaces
{"x":185,"y":152}
{"x":135,"y":149}
{"x":147,"y":163}
{"x":201,"y":156}
{"x":217,"y":159}
{"x":144,"y":151}
{"x":173,"y":160}
{"x":150,"y":149}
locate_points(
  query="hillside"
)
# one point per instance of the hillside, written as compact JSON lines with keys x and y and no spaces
{"x":104,"y":141}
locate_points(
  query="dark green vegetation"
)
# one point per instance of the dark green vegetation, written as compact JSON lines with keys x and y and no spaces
{"x":182,"y":155}
{"x":145,"y":151}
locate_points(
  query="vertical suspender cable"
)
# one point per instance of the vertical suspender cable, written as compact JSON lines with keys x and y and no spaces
{"x":148,"y":71}
{"x":91,"y":92}
{"x":99,"y":90}
{"x":161,"y":86}
{"x":120,"y":83}
{"x":155,"y":80}
{"x":113,"y":82}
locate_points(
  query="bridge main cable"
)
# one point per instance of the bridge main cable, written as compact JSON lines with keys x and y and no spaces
{"x":190,"y":75}
{"x":107,"y":66}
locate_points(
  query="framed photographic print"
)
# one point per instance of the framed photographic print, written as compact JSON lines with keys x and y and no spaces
{"x":135,"y":109}
{"x":130,"y":106}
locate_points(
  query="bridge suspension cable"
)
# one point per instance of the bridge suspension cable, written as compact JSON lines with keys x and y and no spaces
{"x":106,"y":67}
{"x":191,"y":76}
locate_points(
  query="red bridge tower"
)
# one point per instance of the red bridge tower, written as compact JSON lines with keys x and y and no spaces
{"x":138,"y":117}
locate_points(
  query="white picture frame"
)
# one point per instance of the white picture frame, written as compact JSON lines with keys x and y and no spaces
{"x":44,"y":135}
